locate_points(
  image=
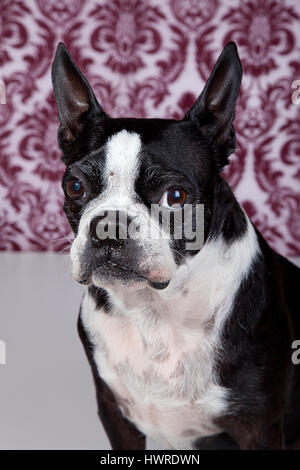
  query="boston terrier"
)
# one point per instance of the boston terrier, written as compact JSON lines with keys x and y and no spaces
{"x":189,"y":344}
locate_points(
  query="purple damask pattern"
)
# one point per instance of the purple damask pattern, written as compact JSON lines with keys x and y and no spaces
{"x":148,"y":58}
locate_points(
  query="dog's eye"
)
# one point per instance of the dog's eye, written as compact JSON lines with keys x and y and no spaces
{"x":75,"y":189}
{"x":174,"y":198}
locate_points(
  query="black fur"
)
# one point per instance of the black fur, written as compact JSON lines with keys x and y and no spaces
{"x":101,"y":298}
{"x":256,"y":366}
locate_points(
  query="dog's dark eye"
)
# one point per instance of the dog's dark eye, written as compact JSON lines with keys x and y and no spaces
{"x":174,"y":198}
{"x":75,"y":189}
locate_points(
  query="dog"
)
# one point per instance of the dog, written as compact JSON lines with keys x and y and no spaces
{"x":191,"y":347}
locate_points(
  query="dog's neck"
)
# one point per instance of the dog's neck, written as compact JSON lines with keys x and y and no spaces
{"x":204,"y":287}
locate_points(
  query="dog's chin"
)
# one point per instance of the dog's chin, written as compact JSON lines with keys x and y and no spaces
{"x":113,"y":275}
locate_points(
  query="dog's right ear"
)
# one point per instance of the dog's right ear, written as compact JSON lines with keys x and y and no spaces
{"x":74,"y":97}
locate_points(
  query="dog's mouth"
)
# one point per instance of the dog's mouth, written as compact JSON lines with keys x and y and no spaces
{"x":112,"y":271}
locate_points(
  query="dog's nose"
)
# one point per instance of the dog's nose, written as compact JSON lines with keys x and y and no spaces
{"x":111,"y":228}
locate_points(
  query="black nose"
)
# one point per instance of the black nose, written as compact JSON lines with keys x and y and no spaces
{"x":111,"y":229}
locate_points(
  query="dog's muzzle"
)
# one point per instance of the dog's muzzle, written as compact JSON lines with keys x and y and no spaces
{"x":113,"y":241}
{"x":111,"y":229}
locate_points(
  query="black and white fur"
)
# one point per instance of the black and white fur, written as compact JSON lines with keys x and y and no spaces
{"x":190,"y":348}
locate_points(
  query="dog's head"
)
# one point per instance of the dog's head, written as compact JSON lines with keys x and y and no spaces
{"x":129,"y":182}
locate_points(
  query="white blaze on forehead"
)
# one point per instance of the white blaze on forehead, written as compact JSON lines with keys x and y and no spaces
{"x":122,"y":161}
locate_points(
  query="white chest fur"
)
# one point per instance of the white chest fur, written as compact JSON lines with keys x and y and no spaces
{"x":157,"y":350}
{"x":162,"y":377}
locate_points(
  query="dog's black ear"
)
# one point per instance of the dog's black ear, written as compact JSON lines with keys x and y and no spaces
{"x":214,"y":110}
{"x":74,"y":96}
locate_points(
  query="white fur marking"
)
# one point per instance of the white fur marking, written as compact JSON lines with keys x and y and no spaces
{"x":164,"y":398}
{"x":120,"y":173}
{"x":122,"y":163}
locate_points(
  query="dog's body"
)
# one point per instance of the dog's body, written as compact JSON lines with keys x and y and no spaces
{"x":190,"y":348}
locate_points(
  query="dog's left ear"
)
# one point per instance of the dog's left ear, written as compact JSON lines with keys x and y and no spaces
{"x":214,"y":110}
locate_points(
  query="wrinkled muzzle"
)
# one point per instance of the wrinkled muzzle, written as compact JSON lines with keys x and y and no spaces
{"x":122,"y":245}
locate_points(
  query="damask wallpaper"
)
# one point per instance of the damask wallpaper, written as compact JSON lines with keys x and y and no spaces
{"x":149,"y":58}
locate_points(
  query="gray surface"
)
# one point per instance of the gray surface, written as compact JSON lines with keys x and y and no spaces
{"x":46,"y":392}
